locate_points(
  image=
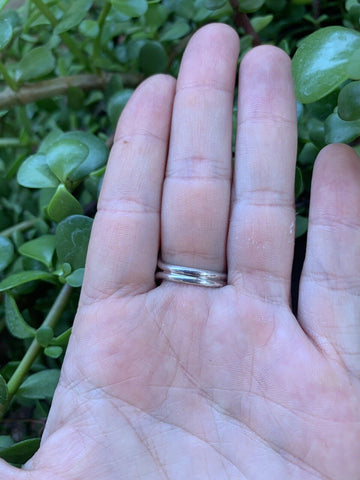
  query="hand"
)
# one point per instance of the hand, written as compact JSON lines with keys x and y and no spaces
{"x":178,"y":381}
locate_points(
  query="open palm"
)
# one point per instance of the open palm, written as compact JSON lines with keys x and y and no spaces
{"x":178,"y":381}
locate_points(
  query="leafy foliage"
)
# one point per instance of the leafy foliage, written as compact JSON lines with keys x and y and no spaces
{"x":67,"y":69}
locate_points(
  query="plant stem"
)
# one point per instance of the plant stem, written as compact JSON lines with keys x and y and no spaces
{"x":19,"y":227}
{"x":59,"y":86}
{"x":30,"y":356}
{"x":10,"y":142}
{"x":45,"y":10}
{"x":8,"y":78}
{"x":103,"y":14}
{"x":241,"y":20}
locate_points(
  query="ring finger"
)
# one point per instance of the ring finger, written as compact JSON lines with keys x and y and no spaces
{"x":196,"y":195}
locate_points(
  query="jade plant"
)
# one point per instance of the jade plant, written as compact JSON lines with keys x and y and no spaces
{"x":67,"y":68}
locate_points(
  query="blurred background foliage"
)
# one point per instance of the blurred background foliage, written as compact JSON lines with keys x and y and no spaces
{"x":67,"y":69}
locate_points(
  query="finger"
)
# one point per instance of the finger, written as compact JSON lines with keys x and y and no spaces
{"x":125,"y":235}
{"x":196,"y":193}
{"x":261,"y":233}
{"x":329,"y":299}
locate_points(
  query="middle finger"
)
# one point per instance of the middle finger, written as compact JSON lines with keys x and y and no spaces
{"x":196,"y":195}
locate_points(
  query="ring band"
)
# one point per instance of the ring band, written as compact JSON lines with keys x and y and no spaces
{"x":190,"y":275}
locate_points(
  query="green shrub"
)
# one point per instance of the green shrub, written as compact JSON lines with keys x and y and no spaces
{"x":67,"y":69}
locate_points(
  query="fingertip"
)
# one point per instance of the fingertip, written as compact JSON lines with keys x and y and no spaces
{"x":336,"y":168}
{"x":155,"y":95}
{"x":265,"y":55}
{"x":216,"y":32}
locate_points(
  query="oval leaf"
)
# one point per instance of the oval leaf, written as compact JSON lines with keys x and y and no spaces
{"x":320,"y":63}
{"x":340,"y":131}
{"x":34,"y":172}
{"x":349,"y":102}
{"x":131,"y":8}
{"x":75,"y":279}
{"x":73,"y":16}
{"x":63,"y":204}
{"x":53,"y":352}
{"x":117,"y":103}
{"x":153,"y":58}
{"x":44,"y":335}
{"x":301,"y":225}
{"x":14,"y":320}
{"x":89,"y":28}
{"x":64,"y":156}
{"x":72,"y":238}
{"x":24,"y":277}
{"x":175,"y":31}
{"x":41,"y":249}
{"x":97,"y":153}
{"x":21,"y":452}
{"x":6,"y":32}
{"x":37,"y":63}
{"x":6,"y":252}
{"x":40,"y":385}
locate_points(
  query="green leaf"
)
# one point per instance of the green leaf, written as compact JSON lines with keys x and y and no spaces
{"x":349,"y":101}
{"x":308,"y":154}
{"x":53,"y":352}
{"x":259,"y":23}
{"x":6,"y":252}
{"x":214,"y":4}
{"x":174,"y":31}
{"x":63,"y":204}
{"x":75,"y":279}
{"x":63,"y":339}
{"x":21,"y":452}
{"x":299,"y":184}
{"x":320,"y":63}
{"x":44,"y":335}
{"x":73,"y":16}
{"x":14,"y":320}
{"x":34,"y":172}
{"x":117,"y":103}
{"x":249,"y":6}
{"x":5,"y":440}
{"x":37,"y":63}
{"x":3,"y":395}
{"x":41,"y":249}
{"x":89,"y":28}
{"x":97,"y":154}
{"x":340,"y":131}
{"x":64,"y":156}
{"x":72,"y":238}
{"x":353,"y":67}
{"x":153,"y":58}
{"x":6,"y":32}
{"x":40,"y":385}
{"x":24,"y":277}
{"x":131,"y":8}
{"x":301,"y":225}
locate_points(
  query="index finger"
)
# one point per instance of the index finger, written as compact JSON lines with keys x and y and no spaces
{"x":125,"y":236}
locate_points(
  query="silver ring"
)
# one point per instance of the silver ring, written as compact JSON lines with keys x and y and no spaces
{"x":190,"y":275}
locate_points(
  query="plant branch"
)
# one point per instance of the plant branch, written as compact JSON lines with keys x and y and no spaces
{"x":241,"y":20}
{"x":19,"y":227}
{"x":30,"y":356}
{"x":58,"y":86}
{"x":103,"y":14}
{"x":7,"y":77}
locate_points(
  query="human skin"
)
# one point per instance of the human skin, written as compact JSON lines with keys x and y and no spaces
{"x":178,"y":381}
